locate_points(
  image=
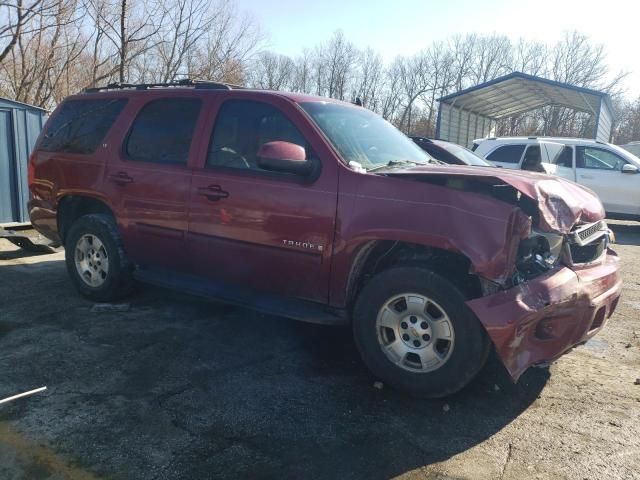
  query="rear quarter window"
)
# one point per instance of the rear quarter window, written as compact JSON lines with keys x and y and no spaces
{"x":507,"y":154}
{"x":81,"y":125}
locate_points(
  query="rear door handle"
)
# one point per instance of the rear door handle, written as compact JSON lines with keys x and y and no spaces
{"x":213,"y":192}
{"x":121,"y":178}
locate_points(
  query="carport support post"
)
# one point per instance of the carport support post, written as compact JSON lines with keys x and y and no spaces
{"x":475,"y":126}
{"x":450,"y":122}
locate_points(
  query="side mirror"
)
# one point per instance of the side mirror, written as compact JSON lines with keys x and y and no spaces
{"x":629,"y":168}
{"x":284,"y":157}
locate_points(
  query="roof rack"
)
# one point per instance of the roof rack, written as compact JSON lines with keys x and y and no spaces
{"x":187,"y":82}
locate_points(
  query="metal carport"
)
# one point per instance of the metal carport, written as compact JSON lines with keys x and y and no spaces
{"x":474,"y":112}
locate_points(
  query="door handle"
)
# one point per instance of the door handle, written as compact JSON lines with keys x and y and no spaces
{"x":587,"y":177}
{"x":121,"y":178}
{"x":213,"y":192}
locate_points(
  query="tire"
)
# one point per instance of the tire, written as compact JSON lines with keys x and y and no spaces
{"x":106,"y":274}
{"x":453,"y":346}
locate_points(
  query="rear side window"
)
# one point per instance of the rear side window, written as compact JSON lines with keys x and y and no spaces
{"x":81,"y":125}
{"x":507,"y":154}
{"x":163,"y":130}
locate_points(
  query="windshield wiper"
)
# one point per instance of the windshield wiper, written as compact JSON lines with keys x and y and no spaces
{"x":396,"y":163}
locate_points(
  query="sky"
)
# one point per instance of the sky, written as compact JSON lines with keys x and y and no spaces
{"x":407,"y":26}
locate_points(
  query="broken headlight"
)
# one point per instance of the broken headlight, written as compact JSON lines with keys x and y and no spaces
{"x":538,"y":253}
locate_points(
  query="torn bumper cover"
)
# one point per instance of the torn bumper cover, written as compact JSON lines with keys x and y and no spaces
{"x":539,"y":320}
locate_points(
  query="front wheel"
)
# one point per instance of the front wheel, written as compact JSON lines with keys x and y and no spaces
{"x":414,"y":331}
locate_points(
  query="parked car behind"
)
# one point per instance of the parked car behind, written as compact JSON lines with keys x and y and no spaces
{"x":608,"y":170}
{"x":449,"y":152}
{"x":322,"y":211}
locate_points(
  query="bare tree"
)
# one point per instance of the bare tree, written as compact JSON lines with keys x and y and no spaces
{"x":15,"y":17}
{"x":186,"y":24}
{"x":340,"y":56}
{"x":369,"y":79}
{"x":530,"y":57}
{"x":130,"y":26}
{"x":462,"y":53}
{"x":413,"y":74}
{"x":492,"y":58}
{"x":271,"y":71}
{"x":38,"y":69}
{"x":628,"y":127}
{"x":441,"y":64}
{"x":302,"y":73}
{"x":229,"y":44}
{"x":50,"y":48}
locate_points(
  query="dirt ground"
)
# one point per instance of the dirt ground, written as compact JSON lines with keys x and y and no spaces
{"x":181,"y":387}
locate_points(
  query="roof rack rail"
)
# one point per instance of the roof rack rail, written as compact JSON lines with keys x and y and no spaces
{"x":187,"y":82}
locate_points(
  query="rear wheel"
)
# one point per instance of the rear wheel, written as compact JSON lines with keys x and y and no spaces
{"x":414,"y":331}
{"x":96,"y":261}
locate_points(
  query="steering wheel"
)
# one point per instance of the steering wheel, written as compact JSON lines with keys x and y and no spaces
{"x":236,"y":160}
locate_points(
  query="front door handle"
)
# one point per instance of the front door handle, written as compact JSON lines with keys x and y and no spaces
{"x":213,"y":192}
{"x":121,"y":178}
{"x":586,"y":177}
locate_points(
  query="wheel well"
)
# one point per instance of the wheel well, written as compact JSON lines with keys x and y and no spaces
{"x":382,"y":255}
{"x":72,"y":207}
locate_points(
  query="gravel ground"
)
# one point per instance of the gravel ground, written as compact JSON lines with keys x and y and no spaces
{"x":181,"y":387}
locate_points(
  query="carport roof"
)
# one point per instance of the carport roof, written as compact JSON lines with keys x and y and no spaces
{"x":519,"y":92}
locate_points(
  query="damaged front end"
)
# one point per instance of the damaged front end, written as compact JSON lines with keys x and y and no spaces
{"x":555,"y":280}
{"x":564,"y":287}
{"x":544,"y":251}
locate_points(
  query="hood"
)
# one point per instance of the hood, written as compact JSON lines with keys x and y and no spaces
{"x":561,"y":203}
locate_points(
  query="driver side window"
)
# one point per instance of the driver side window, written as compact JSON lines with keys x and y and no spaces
{"x":242,"y":127}
{"x":596,"y":158}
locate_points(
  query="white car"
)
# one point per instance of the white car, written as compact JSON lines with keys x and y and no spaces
{"x":608,"y":170}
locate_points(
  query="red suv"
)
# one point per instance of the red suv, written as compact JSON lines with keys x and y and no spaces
{"x":321,"y":211}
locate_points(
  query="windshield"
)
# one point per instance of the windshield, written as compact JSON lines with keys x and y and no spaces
{"x":361,"y":136}
{"x":626,"y":154}
{"x":464,"y":154}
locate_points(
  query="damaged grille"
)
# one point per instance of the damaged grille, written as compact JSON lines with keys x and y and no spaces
{"x":584,"y":234}
{"x":588,"y":242}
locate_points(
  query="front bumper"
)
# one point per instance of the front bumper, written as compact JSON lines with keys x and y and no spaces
{"x":541,"y":319}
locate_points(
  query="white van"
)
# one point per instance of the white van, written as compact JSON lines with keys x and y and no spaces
{"x":608,"y":170}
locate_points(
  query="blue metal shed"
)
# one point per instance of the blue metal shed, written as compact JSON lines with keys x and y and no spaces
{"x":20,"y":125}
